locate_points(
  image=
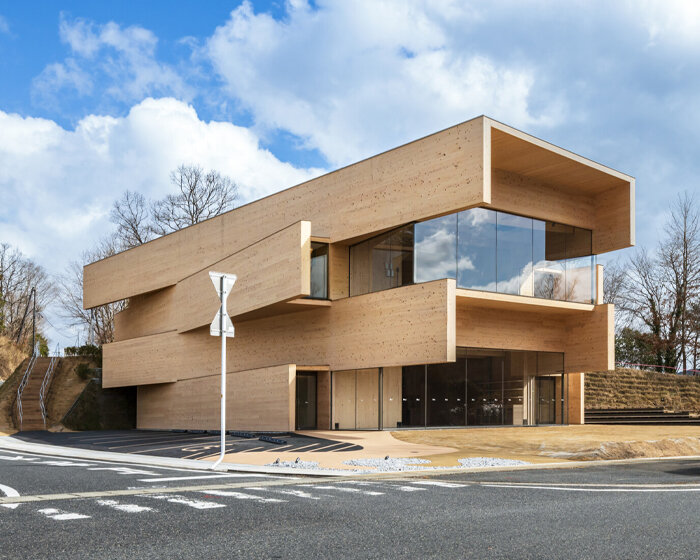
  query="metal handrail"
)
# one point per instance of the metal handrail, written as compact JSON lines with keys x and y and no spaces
{"x":22,"y":384}
{"x":45,"y":384}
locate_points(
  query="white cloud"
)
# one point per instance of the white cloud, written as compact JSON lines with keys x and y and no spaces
{"x":4,"y":26}
{"x":676,"y":22}
{"x":355,"y":78}
{"x":58,"y":185}
{"x":120,"y":59}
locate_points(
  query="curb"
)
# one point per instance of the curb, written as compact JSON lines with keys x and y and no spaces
{"x":14,"y":444}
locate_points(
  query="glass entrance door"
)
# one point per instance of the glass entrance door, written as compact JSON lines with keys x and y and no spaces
{"x":306,"y":401}
{"x":546,"y":400}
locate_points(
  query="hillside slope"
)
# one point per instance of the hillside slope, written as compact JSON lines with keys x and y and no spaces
{"x":634,"y":388}
{"x":10,"y":357}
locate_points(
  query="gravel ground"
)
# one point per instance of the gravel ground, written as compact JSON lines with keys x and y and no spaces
{"x":398,"y":464}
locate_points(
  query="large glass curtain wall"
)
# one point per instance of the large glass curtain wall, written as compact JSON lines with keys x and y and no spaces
{"x":484,"y":250}
{"x":485,"y":388}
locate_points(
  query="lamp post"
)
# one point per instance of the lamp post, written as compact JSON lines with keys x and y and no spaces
{"x":222,"y":326}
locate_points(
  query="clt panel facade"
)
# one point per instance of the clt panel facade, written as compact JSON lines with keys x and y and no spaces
{"x":451,"y":281}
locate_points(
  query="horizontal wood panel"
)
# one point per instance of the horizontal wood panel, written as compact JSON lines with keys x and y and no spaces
{"x":274,"y":270}
{"x":408,"y":325}
{"x":481,"y":327}
{"x":431,"y":176}
{"x":146,"y":314}
{"x":591,"y":341}
{"x":261,"y":399}
{"x":528,"y":197}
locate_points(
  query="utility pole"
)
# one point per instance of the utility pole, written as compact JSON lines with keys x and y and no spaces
{"x":34,"y":321}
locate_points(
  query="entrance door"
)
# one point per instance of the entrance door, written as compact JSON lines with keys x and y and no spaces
{"x":306,"y":401}
{"x":546,"y":400}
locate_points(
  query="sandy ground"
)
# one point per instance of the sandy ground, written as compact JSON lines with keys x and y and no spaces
{"x":534,"y":445}
{"x":558,"y":443}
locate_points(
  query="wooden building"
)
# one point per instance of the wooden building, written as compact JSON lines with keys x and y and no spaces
{"x":451,"y":281}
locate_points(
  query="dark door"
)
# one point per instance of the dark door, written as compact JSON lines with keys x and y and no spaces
{"x":546,"y":400}
{"x":306,"y":401}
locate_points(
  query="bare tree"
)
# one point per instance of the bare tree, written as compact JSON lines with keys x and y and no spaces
{"x":201,"y":196}
{"x":131,"y":216}
{"x":680,"y":258}
{"x":99,"y":319}
{"x":18,"y":276}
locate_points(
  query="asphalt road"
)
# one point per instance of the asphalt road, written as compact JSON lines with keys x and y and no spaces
{"x":88,"y":509}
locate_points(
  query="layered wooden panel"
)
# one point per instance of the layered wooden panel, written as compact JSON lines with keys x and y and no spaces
{"x":408,"y":325}
{"x":261,"y":399}
{"x":437,"y":174}
{"x":585,"y":333}
{"x":273,"y":270}
{"x":591,"y":341}
{"x":146,"y":314}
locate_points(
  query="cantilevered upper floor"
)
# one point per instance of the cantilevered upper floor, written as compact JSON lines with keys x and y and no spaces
{"x":494,"y":208}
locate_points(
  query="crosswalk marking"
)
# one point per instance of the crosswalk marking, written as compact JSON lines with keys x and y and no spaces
{"x":242,"y":496}
{"x":438,"y":483}
{"x":201,"y":477}
{"x":346,"y":489}
{"x":288,"y":492}
{"x":60,"y":515}
{"x":128,"y":508}
{"x":125,"y":470}
{"x":409,"y":488}
{"x":177,"y":499}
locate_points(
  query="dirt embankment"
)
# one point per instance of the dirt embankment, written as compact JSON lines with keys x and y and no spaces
{"x":634,"y":388}
{"x":10,"y":357}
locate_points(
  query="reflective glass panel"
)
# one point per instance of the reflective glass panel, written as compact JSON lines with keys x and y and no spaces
{"x":446,"y":394}
{"x":413,"y":396}
{"x":436,"y":249}
{"x":514,"y":255}
{"x":319,"y":271}
{"x":476,"y":249}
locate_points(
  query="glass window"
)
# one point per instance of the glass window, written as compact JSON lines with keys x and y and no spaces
{"x":436,"y":249}
{"x":548,"y":274}
{"x":382,"y":262}
{"x":413,"y":396}
{"x":514,"y":264}
{"x":319,"y":271}
{"x":476,"y":249}
{"x":446,"y":394}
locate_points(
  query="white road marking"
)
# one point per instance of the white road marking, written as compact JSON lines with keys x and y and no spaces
{"x":128,"y":508}
{"x":177,"y":499}
{"x":123,"y":470}
{"x":572,"y":489}
{"x":201,"y":477}
{"x":438,"y":483}
{"x":296,"y":493}
{"x":60,"y":515}
{"x":10,"y":493}
{"x":243,"y":496}
{"x":64,"y":464}
{"x":353,"y":490}
{"x":410,"y":488}
{"x":18,"y":458}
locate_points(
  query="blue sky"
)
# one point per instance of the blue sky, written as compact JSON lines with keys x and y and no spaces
{"x":98,"y":97}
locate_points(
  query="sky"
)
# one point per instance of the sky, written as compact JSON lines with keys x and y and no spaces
{"x":100,"y":97}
